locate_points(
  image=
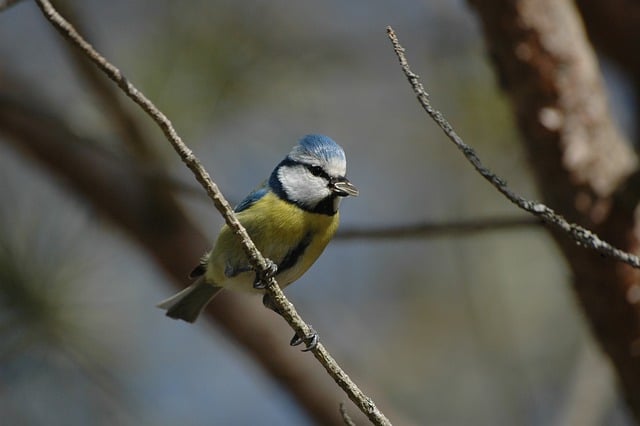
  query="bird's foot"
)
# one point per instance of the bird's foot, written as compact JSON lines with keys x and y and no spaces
{"x":260,"y":283}
{"x":311,"y":341}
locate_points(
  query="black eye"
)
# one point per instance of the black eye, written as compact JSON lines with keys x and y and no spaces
{"x":316,"y":170}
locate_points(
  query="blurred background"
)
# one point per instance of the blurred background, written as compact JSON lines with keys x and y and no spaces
{"x":451,"y":329}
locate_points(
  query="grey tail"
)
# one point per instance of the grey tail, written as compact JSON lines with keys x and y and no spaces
{"x":190,"y":302}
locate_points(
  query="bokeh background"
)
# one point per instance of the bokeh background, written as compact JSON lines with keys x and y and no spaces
{"x":453,"y":329}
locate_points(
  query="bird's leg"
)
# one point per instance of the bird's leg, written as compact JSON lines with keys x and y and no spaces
{"x":260,"y":282}
{"x":311,"y":341}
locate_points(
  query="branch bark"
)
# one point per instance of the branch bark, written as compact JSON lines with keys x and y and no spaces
{"x":582,"y":165}
{"x":157,"y":223}
{"x":257,"y":261}
{"x":614,"y":28}
{"x":581,"y":235}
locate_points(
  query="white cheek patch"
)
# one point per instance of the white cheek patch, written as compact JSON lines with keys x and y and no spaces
{"x":303,"y":187}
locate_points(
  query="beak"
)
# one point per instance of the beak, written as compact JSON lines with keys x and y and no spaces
{"x":342,"y":187}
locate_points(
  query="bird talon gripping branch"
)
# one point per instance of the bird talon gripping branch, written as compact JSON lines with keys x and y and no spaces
{"x":260,"y":283}
{"x":311,"y":341}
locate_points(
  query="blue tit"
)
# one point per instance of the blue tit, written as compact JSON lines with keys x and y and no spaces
{"x":291,"y":218}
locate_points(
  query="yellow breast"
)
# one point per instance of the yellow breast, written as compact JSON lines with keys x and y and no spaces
{"x":289,"y":236}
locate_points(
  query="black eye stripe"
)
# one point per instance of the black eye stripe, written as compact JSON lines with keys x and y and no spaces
{"x":317,"y":171}
{"x":313,"y":169}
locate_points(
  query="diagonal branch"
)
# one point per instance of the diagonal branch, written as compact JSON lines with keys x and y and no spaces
{"x":436,"y":229}
{"x":256,"y":259}
{"x":154,"y":220}
{"x":580,"y":235}
{"x":583,"y":167}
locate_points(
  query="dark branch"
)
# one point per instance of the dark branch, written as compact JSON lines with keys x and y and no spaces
{"x":433,"y":229}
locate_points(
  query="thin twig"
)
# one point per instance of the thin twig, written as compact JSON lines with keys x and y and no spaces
{"x":435,"y":229}
{"x":122,"y":195}
{"x":580,"y":235}
{"x":255,"y":258}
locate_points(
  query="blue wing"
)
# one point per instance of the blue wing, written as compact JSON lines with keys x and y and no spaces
{"x":251,"y":199}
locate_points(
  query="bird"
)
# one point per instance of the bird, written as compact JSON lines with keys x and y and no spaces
{"x":291,"y":217}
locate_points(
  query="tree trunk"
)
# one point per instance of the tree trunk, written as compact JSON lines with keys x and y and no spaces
{"x":584,"y":169}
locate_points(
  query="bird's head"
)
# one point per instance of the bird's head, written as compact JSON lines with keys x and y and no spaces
{"x":313,"y":175}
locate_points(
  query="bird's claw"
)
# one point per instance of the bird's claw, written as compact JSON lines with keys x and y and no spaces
{"x":260,"y":283}
{"x":311,"y":341}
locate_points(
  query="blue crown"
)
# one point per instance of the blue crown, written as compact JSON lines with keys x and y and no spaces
{"x":321,"y":146}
